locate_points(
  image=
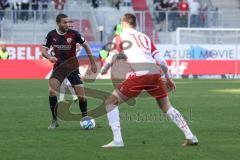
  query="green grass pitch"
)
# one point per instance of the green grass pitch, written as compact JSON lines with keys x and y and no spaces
{"x":212,"y":108}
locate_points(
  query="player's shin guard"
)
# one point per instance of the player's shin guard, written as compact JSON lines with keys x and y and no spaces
{"x":178,"y":119}
{"x":83,"y":107}
{"x":114,"y":122}
{"x":53,"y":106}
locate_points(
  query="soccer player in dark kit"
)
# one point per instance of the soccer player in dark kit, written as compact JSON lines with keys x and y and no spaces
{"x":63,"y":42}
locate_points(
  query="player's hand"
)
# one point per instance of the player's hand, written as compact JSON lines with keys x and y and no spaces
{"x":103,"y":72}
{"x":94,"y":68}
{"x":53,"y":59}
{"x":170,"y":84}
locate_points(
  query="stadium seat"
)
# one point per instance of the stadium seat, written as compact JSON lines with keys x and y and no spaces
{"x":141,"y":5}
{"x":86,"y":30}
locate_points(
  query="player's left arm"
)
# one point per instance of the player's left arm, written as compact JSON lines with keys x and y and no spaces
{"x":86,"y":46}
{"x":163,"y":65}
{"x":78,"y":47}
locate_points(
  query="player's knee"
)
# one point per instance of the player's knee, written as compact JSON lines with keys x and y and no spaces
{"x":111,"y":101}
{"x":110,"y":105}
{"x":164,"y":107}
{"x":108,"y":102}
{"x":52,"y":92}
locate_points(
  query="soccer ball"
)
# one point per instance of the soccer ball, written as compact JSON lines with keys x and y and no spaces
{"x":87,"y":123}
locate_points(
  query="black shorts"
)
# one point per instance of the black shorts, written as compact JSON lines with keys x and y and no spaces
{"x":72,"y":76}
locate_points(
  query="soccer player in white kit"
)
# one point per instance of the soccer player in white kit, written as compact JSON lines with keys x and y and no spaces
{"x":148,"y":77}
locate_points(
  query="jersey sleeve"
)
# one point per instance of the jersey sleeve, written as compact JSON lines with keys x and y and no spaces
{"x":48,"y":41}
{"x":154,"y":50}
{"x":117,"y":45}
{"x":115,"y":50}
{"x":79,"y":38}
{"x":157,"y":55}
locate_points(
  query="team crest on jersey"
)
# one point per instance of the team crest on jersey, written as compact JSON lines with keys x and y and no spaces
{"x":69,"y":40}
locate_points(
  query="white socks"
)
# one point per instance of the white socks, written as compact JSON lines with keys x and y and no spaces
{"x":172,"y":113}
{"x":178,"y":119}
{"x":71,"y":89}
{"x":114,"y":122}
{"x":62,"y":92}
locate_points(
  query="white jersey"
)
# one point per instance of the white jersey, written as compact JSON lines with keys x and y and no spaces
{"x":139,"y":49}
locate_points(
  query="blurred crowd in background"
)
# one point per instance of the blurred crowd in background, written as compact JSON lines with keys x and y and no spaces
{"x":180,"y":10}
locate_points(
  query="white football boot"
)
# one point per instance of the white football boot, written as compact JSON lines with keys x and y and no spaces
{"x":113,"y":144}
{"x":191,"y":142}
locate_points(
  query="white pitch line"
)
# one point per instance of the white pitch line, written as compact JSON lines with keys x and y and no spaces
{"x":147,"y":97}
{"x":19,"y":97}
{"x":97,"y":84}
{"x":192,"y":82}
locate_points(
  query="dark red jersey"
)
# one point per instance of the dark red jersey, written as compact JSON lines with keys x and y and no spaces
{"x":63,"y":45}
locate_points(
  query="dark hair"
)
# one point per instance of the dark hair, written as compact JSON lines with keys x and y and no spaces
{"x":130,"y":19}
{"x":60,"y":16}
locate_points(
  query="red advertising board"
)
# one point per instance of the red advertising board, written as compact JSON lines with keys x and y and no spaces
{"x":39,"y":69}
{"x":24,"y":69}
{"x":25,"y":62}
{"x":204,"y":67}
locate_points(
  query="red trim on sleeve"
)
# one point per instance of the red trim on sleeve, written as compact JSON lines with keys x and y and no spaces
{"x":118,"y":43}
{"x":154,"y":50}
{"x":153,"y":47}
{"x":154,"y":53}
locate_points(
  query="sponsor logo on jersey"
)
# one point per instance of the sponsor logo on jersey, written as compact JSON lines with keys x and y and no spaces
{"x":62,"y":47}
{"x":69,"y":40}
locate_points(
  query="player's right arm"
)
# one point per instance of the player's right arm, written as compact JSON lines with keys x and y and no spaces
{"x":112,"y":55}
{"x":48,"y":56}
{"x":45,"y":49}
